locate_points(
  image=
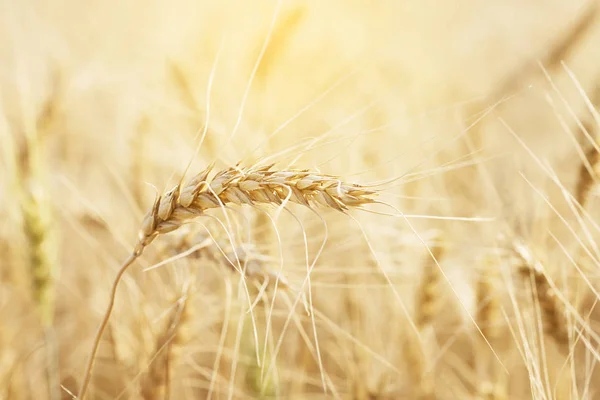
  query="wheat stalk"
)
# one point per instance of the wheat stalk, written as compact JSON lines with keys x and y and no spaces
{"x":251,"y":186}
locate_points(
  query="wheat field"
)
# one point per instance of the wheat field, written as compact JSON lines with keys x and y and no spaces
{"x":288,"y":199}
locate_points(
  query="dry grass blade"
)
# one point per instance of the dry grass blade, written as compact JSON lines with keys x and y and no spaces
{"x":250,"y":186}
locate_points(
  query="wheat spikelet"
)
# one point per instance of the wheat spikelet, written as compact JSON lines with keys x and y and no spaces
{"x":155,"y":383}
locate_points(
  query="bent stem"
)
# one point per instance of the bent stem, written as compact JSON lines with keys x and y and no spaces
{"x":90,"y":364}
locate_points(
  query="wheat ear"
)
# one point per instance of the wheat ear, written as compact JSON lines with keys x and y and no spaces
{"x":168,"y":343}
{"x":488,"y":320}
{"x":251,"y":186}
{"x":587,"y":176}
{"x":428,"y":303}
{"x":488,"y":302}
{"x":552,"y":310}
{"x":428,"y":294}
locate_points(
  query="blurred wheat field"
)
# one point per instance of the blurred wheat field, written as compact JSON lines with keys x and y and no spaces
{"x":475,"y":276}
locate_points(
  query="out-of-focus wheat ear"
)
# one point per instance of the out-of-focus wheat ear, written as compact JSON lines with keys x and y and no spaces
{"x":427,"y":306}
{"x":488,"y":319}
{"x":488,"y":301}
{"x":544,"y":295}
{"x":428,"y":299}
{"x":552,"y":310}
{"x":36,"y":211}
{"x":42,"y":250}
{"x":35,"y":206}
{"x":588,"y":173}
{"x":168,"y":346}
{"x":418,"y":357}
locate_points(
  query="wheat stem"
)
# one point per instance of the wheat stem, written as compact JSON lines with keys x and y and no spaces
{"x":96,"y":343}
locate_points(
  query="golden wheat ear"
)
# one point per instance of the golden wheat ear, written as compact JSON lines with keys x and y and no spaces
{"x":587,"y":176}
{"x":427,"y":306}
{"x":545,"y":294}
{"x":252,"y":186}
